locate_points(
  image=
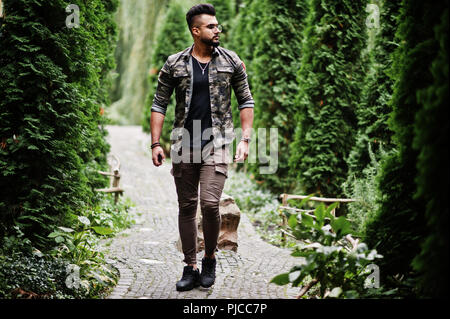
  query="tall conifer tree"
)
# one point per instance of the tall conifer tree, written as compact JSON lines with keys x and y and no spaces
{"x":373,"y":138}
{"x":399,"y":227}
{"x":431,"y":140}
{"x":329,"y":86}
{"x":275,"y":63}
{"x":243,"y":42}
{"x":173,"y":37}
{"x":51,"y":136}
{"x":225,"y":12}
{"x":374,"y":109}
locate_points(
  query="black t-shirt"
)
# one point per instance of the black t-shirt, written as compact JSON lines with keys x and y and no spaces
{"x":200,"y":108}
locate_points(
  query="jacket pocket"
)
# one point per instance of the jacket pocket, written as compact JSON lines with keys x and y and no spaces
{"x":224,"y":74}
{"x":225,"y":68}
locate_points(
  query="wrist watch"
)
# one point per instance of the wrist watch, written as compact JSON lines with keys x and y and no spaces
{"x":246,"y":139}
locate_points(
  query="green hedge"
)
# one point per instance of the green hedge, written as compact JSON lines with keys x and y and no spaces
{"x":374,"y":109}
{"x":329,"y":87}
{"x":398,"y":229}
{"x":275,"y":62}
{"x":374,"y":137}
{"x":53,"y":80}
{"x":431,"y":140}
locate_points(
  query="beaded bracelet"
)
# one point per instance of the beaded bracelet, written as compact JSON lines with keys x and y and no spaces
{"x":155,"y":144}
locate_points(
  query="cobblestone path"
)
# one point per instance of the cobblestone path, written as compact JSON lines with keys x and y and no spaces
{"x":146,"y":254}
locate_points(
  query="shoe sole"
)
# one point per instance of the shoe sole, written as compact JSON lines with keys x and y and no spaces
{"x":188,"y":287}
{"x":207,"y":286}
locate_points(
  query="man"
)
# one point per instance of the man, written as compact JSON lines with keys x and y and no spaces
{"x":202,"y":77}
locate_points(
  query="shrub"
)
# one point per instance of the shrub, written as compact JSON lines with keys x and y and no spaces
{"x":364,"y":188}
{"x":73,"y":267}
{"x":431,"y":140}
{"x":328,"y":257}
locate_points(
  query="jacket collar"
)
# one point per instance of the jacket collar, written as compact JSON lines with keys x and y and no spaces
{"x":187,"y":52}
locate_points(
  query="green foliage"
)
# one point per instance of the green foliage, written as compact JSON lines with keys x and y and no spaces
{"x":373,"y":111}
{"x":78,"y":247}
{"x":275,"y":62}
{"x":365,"y":190}
{"x":399,"y":226}
{"x":242,"y":33}
{"x":46,"y":274}
{"x":373,"y":139}
{"x":23,"y":275}
{"x":329,"y":87}
{"x":431,"y":141}
{"x":107,"y":215}
{"x":54,"y":81}
{"x":173,"y":37}
{"x":327,"y":257}
{"x":243,"y":42}
{"x":138,"y":23}
{"x":224,"y":14}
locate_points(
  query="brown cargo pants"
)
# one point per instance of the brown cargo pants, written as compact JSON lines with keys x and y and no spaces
{"x":211,"y":173}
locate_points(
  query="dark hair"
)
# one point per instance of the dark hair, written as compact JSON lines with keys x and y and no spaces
{"x":204,"y":8}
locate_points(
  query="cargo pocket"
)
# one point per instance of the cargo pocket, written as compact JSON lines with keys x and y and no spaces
{"x":221,"y":168}
{"x":176,"y":170}
{"x":221,"y":155}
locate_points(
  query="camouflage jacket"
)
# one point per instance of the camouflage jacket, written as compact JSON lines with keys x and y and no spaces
{"x":226,"y":71}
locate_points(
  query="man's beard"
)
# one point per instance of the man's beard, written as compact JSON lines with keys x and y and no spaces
{"x":210,"y":42}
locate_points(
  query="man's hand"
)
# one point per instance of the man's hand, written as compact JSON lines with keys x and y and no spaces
{"x":158,"y":156}
{"x":241,"y":152}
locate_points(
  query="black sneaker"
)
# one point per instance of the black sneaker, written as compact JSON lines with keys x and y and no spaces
{"x":190,"y":279}
{"x":208,"y":275}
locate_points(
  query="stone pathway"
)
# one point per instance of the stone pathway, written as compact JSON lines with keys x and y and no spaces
{"x":146,"y":254}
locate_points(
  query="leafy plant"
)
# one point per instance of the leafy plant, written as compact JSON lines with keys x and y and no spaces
{"x":26,"y":272}
{"x":330,"y":256}
{"x":79,"y":248}
{"x":107,"y":218}
{"x":364,"y":188}
{"x":25,"y":275}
